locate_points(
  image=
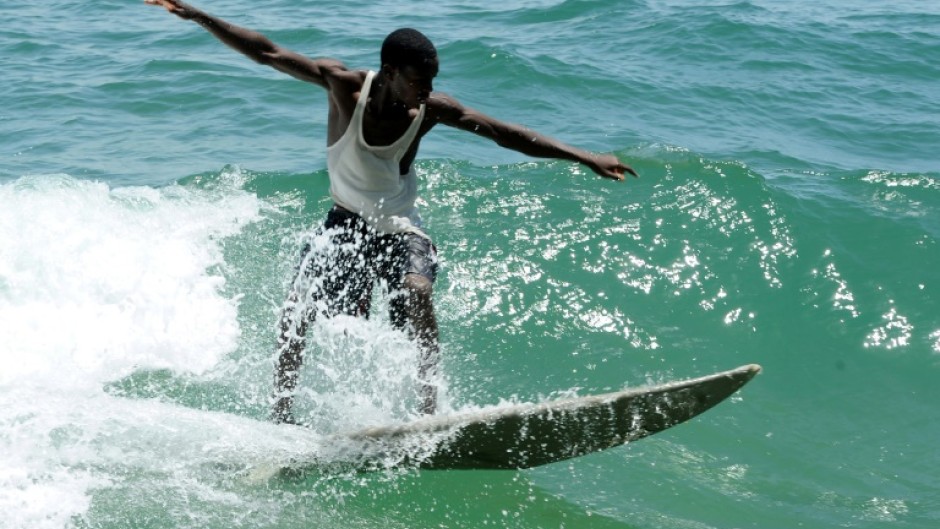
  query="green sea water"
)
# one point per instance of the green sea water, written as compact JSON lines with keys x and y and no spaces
{"x":155,"y":188}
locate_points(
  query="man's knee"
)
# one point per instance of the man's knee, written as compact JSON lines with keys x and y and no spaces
{"x":418,"y":286}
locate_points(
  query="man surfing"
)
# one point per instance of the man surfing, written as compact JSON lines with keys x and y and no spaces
{"x":375,"y":126}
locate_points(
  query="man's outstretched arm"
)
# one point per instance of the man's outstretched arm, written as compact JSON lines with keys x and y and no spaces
{"x":523,"y":140}
{"x":254,"y":45}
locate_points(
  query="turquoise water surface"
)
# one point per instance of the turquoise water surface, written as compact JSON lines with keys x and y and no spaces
{"x":155,"y":187}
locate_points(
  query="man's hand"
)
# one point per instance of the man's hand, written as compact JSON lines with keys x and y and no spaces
{"x":609,"y":166}
{"x":180,"y":9}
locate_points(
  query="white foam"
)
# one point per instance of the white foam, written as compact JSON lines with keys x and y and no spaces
{"x":360,"y":373}
{"x":94,"y":283}
{"x":58,"y":449}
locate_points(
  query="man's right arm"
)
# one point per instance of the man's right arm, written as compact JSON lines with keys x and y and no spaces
{"x":254,"y":45}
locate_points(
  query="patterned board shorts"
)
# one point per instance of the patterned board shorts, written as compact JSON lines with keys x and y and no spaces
{"x":346,"y":257}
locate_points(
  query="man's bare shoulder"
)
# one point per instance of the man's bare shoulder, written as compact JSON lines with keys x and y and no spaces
{"x":334,"y":70}
{"x":443,"y":107}
{"x":341,"y":78}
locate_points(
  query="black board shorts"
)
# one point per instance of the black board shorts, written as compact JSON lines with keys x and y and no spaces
{"x":346,"y":257}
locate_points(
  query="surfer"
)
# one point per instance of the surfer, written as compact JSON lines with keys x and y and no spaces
{"x":376,"y":122}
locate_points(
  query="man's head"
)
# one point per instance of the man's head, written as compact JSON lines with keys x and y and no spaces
{"x":409,"y":61}
{"x":408,"y":47}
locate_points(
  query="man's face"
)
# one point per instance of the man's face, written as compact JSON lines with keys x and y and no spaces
{"x":414,"y":84}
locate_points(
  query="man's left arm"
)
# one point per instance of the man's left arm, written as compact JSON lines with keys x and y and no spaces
{"x":450,"y":112}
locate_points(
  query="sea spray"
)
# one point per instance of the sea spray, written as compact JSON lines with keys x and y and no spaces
{"x":95,"y":284}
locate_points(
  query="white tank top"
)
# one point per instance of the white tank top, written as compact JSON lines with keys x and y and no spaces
{"x":365,"y":179}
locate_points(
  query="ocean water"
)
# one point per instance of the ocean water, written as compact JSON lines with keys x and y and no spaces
{"x":155,"y":187}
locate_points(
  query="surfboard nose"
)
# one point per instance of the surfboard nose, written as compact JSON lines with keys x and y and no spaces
{"x":750,"y":370}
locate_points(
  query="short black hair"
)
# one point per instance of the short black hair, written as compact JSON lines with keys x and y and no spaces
{"x":407,"y":47}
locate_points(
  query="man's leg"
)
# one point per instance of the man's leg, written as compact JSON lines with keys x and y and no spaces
{"x":411,"y":279}
{"x":419,"y":311}
{"x":331,"y":279}
{"x":290,"y":345}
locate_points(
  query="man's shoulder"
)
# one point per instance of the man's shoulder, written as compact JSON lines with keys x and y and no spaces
{"x":341,"y":78}
{"x":440,"y":105}
{"x":336,"y":70}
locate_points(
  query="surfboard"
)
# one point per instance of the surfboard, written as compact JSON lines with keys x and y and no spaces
{"x":528,"y":435}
